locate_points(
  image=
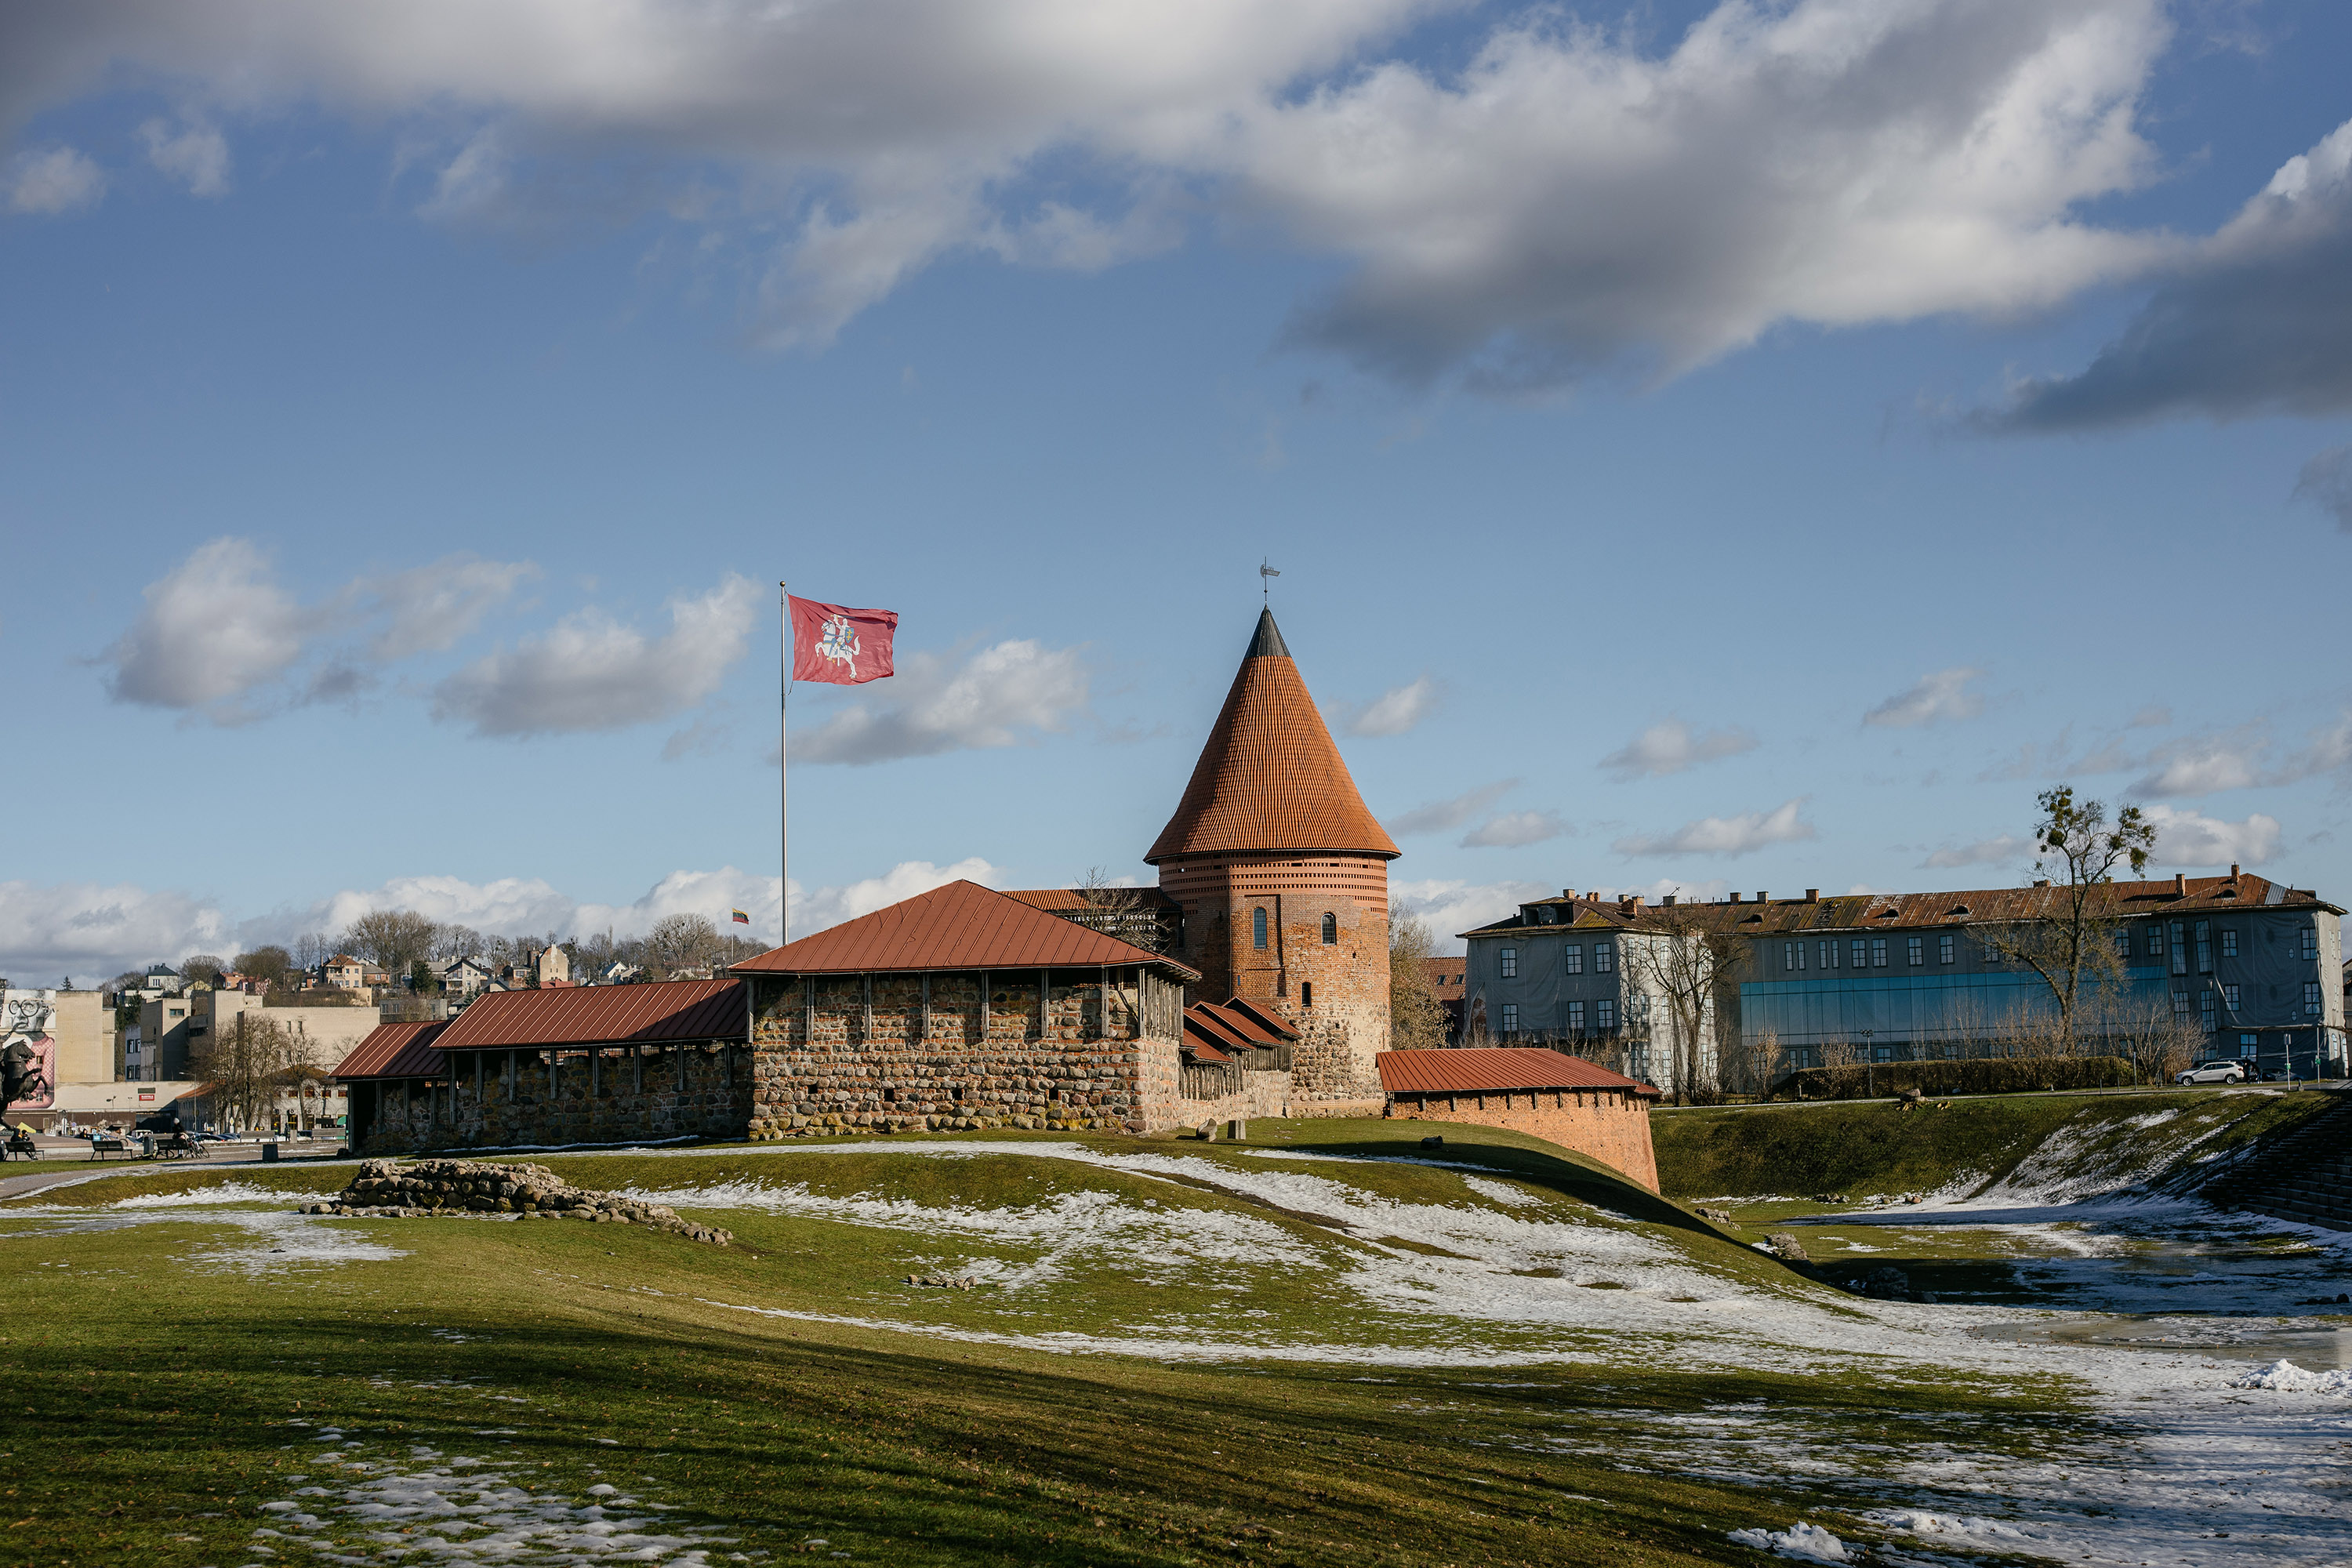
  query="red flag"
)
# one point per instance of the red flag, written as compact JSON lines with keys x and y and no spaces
{"x":839,"y":644}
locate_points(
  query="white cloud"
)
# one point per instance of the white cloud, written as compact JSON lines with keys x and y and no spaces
{"x":1564,"y":198}
{"x":2326,"y":482}
{"x":1395,"y":710}
{"x":1671,"y":747}
{"x":56,"y":181}
{"x":220,"y":638}
{"x":827,"y":907}
{"x":88,"y":932}
{"x":2155,"y":716}
{"x":1441,"y":816}
{"x":2199,"y":767}
{"x":214,"y":628}
{"x":1997,"y":851}
{"x":589,"y":672}
{"x":2189,"y":839}
{"x":197,"y":157}
{"x":1514,"y":830}
{"x":1000,"y":696}
{"x":1452,"y":907}
{"x":428,"y":609}
{"x":1730,"y":836}
{"x":1930,"y":698}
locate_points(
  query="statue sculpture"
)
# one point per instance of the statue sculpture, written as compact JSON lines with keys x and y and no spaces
{"x":19,"y":1069}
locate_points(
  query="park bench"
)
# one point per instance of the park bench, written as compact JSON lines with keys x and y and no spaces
{"x":180,"y":1146}
{"x":20,"y":1147}
{"x":115,"y":1149}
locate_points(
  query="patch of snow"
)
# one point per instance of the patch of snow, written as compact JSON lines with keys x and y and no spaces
{"x":2288,"y":1378}
{"x":1806,"y":1543}
{"x":1970,"y":1530}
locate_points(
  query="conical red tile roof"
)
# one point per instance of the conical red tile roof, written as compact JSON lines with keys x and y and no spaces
{"x":1270,"y":779}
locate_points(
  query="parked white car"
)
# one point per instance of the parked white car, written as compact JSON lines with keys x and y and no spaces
{"x":2214,"y":1072}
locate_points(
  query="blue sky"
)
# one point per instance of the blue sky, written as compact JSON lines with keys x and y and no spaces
{"x":1704,"y":448}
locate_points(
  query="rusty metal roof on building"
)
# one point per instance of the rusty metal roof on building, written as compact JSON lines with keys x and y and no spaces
{"x":1078,"y":899}
{"x":961,"y":926}
{"x":602,"y":1015}
{"x":395,"y":1050}
{"x":1765,"y":916}
{"x":1495,"y":1069}
{"x":1235,"y":1026}
{"x":1269,"y":779}
{"x":1446,"y":974}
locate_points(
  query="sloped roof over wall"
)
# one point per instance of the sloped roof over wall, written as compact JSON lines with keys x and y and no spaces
{"x":1215,"y":1030}
{"x":602,"y":1015}
{"x":1269,"y":779}
{"x":961,"y":926}
{"x":395,"y":1050}
{"x":1493,"y":1069}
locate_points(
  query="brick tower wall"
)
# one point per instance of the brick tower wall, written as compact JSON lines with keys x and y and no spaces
{"x":1335,"y":993}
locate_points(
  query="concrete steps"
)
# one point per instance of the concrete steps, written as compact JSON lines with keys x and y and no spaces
{"x":2305,"y":1176}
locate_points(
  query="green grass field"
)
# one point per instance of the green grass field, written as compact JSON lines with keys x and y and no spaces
{"x":1267,"y":1357}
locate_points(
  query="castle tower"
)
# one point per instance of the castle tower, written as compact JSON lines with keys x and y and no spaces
{"x":1283,"y":876}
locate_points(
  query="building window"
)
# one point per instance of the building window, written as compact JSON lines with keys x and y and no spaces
{"x":1257,"y":928}
{"x":1637,"y":1007}
{"x":2204,"y":948}
{"x":1944,"y":950}
{"x":2249,"y":1044}
{"x":1878,"y":953}
{"x":1330,"y":931}
{"x":1605,"y":957}
{"x":2179,"y":948}
{"x":1792,"y":955}
{"x":2310,"y":939}
{"x":1604,"y":1013}
{"x":1991,"y":954}
{"x":2229,"y":997}
{"x":2205,"y":1007}
{"x":1829,"y":955}
{"x":1510,"y":962}
{"x":1576,"y":1017}
{"x":1572,"y":957}
{"x":1306,"y":993}
{"x":2229,"y":941}
{"x":2311,"y":999}
{"x":1915,"y":949}
{"x":2180,"y":1001}
{"x":2155,"y":942}
{"x":1511,"y":1018}
{"x":2123,"y":943}
{"x":1859,"y":958}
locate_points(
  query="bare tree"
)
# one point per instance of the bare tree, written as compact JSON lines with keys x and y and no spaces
{"x":1416,"y":1017}
{"x":246,"y":1063}
{"x":203,"y":967}
{"x":268,"y":964}
{"x":392,"y":939}
{"x":1117,"y":910}
{"x":312,"y":949}
{"x":452,"y":942}
{"x":2072,"y":944}
{"x":681,"y":941}
{"x":1685,"y":960}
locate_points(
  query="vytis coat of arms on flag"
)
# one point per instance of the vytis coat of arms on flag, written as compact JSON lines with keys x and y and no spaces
{"x":840,"y":646}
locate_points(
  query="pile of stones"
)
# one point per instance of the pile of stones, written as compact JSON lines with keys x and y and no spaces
{"x":455,"y":1189}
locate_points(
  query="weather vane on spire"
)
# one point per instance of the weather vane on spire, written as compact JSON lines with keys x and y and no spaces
{"x":1265,"y":588}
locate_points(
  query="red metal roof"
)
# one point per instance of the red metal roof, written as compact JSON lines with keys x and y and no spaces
{"x":396,"y":1050}
{"x":1269,"y":777}
{"x":1471,"y":1070}
{"x":961,"y":926}
{"x":602,"y":1015}
{"x":1076,"y":898}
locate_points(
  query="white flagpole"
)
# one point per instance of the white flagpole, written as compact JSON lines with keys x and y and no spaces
{"x":785,"y":821}
{"x":783,"y":733}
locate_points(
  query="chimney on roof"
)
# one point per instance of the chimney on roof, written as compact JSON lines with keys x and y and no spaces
{"x":2233,"y":870}
{"x":1734,"y":898}
{"x":1812,"y":895}
{"x":1762,"y":897}
{"x":1668,"y":900}
{"x":1568,"y":892}
{"x":2042,"y":881}
{"x":2180,"y":884}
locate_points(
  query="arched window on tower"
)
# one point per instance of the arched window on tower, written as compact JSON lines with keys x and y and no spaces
{"x":1330,"y":931}
{"x":1258,"y":927}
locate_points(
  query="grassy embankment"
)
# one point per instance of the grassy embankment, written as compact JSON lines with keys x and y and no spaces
{"x":1871,"y":1146}
{"x":158,"y":1376}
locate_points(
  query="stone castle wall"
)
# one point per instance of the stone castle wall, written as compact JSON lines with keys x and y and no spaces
{"x":1609,"y":1125}
{"x":620,"y":1094}
{"x":853,"y":1053}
